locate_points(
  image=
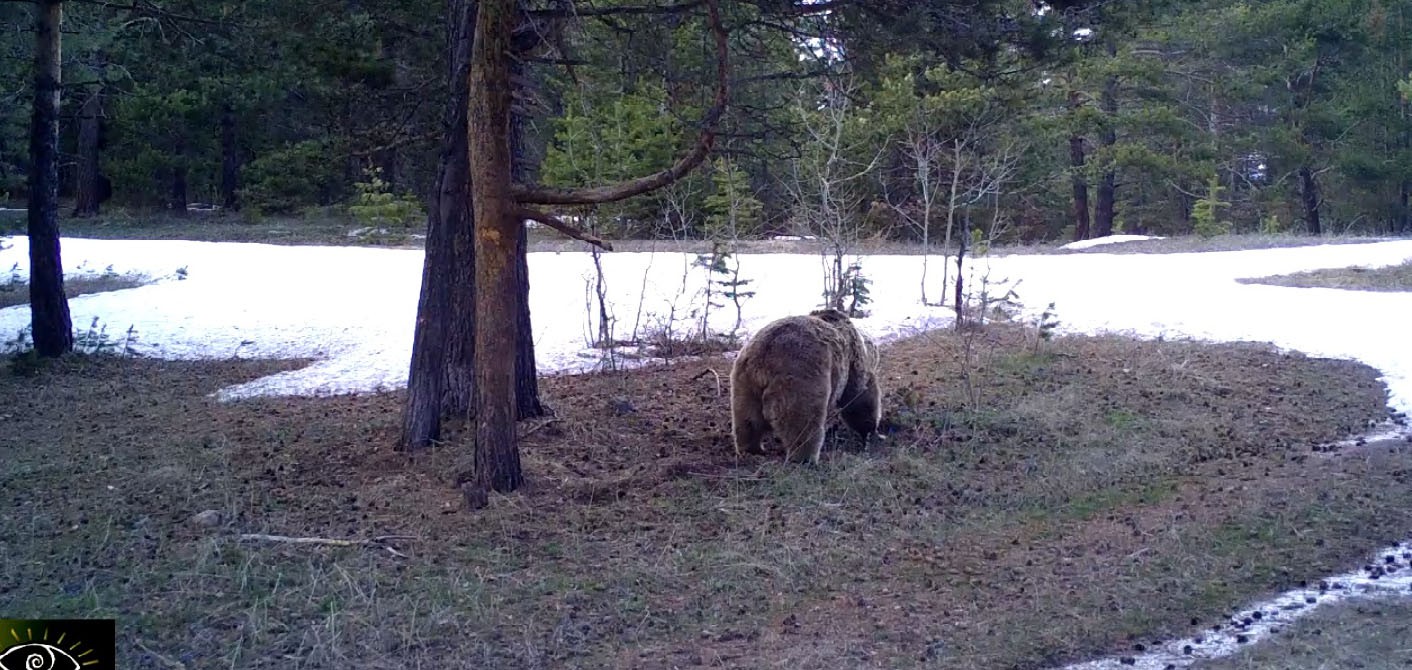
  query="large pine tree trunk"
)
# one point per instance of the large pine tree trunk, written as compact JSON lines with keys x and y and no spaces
{"x":230,"y":160}
{"x":443,"y":354}
{"x":88,"y":185}
{"x":1309,"y":196}
{"x":497,"y":458}
{"x":52,"y":328}
{"x":1076,"y":161}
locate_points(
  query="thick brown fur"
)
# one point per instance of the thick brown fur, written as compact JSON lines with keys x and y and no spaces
{"x":795,"y":370}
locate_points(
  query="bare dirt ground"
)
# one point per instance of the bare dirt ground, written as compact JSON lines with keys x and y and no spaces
{"x":1035,"y":502}
{"x":1392,"y":278}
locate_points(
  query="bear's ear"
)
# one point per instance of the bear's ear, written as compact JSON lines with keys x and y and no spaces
{"x":830,"y":315}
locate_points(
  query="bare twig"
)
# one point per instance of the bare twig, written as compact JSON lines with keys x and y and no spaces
{"x":380,"y":541}
{"x":712,"y":372}
{"x":541,"y":424}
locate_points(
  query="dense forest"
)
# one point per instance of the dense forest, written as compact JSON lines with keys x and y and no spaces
{"x":1012,"y":120}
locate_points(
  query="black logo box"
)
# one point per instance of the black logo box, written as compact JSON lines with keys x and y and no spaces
{"x":58,"y":644}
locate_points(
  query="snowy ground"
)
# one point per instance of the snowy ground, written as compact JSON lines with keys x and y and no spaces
{"x":352,"y":309}
{"x":1109,"y":239}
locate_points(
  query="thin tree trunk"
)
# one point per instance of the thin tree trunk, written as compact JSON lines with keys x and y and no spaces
{"x":443,"y":352}
{"x":52,"y":328}
{"x":1080,"y":185}
{"x":1309,"y":195}
{"x":230,"y":160}
{"x":178,"y":198}
{"x":1404,"y":192}
{"x":951,"y":213}
{"x":497,"y":458}
{"x":527,"y":401}
{"x":1103,"y":208}
{"x":89,"y":184}
{"x":960,"y":296}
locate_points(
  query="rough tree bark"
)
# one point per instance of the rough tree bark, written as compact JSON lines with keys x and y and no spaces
{"x":497,"y":459}
{"x":52,"y":327}
{"x":1309,"y":196}
{"x":441,"y":380}
{"x":88,"y":186}
{"x":500,"y":207}
{"x":443,"y":355}
{"x":230,"y":160}
{"x":527,"y":402}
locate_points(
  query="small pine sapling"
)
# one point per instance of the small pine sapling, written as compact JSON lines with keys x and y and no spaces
{"x":377,"y":207}
{"x":857,"y":290}
{"x":714,"y":263}
{"x":734,"y":288}
{"x":1205,"y":213}
{"x":1046,"y":325}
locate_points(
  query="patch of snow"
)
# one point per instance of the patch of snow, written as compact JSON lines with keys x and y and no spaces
{"x":1110,"y":239}
{"x":351,"y":309}
{"x":793,"y":238}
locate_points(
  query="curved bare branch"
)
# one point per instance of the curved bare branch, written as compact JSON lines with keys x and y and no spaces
{"x":562,"y":226}
{"x":533,"y":194}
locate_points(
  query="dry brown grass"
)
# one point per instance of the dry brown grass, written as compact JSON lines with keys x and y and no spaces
{"x":1391,"y":278}
{"x":17,"y":293}
{"x":331,"y":228}
{"x":1082,"y":495}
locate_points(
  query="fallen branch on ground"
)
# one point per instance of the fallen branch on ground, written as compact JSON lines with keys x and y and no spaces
{"x":380,"y":541}
{"x":541,"y":424}
{"x":713,"y":372}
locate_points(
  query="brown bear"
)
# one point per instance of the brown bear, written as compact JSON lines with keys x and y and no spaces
{"x":790,"y":375}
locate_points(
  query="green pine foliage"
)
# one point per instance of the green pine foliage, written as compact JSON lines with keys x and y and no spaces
{"x":732,"y":210}
{"x":377,"y":206}
{"x":1206,"y":212}
{"x":1158,"y":97}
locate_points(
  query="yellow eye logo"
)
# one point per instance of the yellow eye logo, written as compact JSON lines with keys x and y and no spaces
{"x":38,"y":656}
{"x":56,"y":644}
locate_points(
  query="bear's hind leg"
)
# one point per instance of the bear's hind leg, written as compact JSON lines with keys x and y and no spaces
{"x":863,"y":411}
{"x":748,"y":423}
{"x":800,"y":423}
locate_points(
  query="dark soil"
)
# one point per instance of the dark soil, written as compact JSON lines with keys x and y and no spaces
{"x":1034,"y":502}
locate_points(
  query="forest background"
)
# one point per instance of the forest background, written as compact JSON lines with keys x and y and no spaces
{"x":912,"y":122}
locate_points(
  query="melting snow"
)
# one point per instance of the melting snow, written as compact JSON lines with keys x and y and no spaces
{"x":1109,"y":239}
